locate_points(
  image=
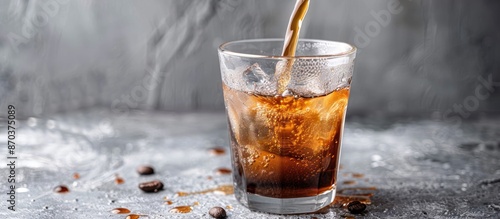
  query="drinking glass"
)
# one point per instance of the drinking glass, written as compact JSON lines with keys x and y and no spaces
{"x":286,"y":118}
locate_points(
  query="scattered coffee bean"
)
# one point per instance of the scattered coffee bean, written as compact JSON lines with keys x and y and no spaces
{"x":145,"y":170}
{"x":356,"y":207}
{"x":217,"y":212}
{"x":152,"y":186}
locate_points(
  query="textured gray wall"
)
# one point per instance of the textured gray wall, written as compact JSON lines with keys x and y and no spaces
{"x":415,"y":58}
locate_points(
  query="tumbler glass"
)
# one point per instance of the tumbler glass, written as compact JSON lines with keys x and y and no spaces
{"x":286,"y":118}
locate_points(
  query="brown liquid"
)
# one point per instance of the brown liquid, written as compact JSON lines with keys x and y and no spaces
{"x":341,"y":191}
{"x":358,"y":175}
{"x":290,"y":44}
{"x":293,"y":29}
{"x":286,"y":147}
{"x":217,"y":151}
{"x":344,"y":200}
{"x":120,"y":211}
{"x":76,"y":176}
{"x":223,"y":190}
{"x":61,"y":189}
{"x":180,"y":194}
{"x":353,"y":194}
{"x":223,"y":171}
{"x":168,"y":202}
{"x":133,"y":216}
{"x":349,"y":182}
{"x":119,"y":180}
{"x":181,"y":209}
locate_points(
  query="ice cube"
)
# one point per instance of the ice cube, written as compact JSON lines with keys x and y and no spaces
{"x":255,"y":75}
{"x":258,"y":81}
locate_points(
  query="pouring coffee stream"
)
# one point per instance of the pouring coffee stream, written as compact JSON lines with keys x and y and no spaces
{"x":290,"y":44}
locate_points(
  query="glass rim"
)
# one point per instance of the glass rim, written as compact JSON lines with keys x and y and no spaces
{"x":222,"y":49}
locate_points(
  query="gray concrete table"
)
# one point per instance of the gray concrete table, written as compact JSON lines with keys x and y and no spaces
{"x":420,"y":169}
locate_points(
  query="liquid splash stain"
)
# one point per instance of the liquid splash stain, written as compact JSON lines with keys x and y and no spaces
{"x":119,"y":180}
{"x":222,"y":190}
{"x":181,"y":209}
{"x":133,"y":216}
{"x":217,"y":151}
{"x":120,"y":211}
{"x":61,"y":189}
{"x":223,"y":171}
{"x":347,"y":195}
{"x":358,"y":175}
{"x":349,"y":182}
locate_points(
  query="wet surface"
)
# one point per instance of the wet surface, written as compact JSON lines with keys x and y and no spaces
{"x":421,"y":169}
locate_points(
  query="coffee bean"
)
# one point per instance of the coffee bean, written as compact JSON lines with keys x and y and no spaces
{"x":217,"y":212}
{"x":152,"y":186}
{"x":145,"y":170}
{"x":356,"y":207}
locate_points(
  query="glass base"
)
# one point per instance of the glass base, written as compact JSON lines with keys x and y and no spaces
{"x":284,"y":205}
